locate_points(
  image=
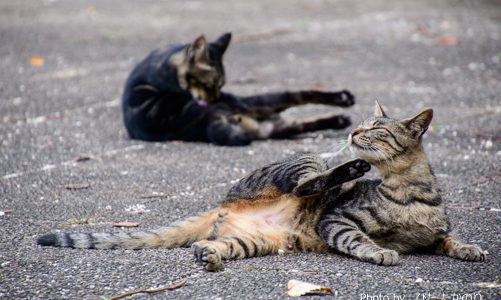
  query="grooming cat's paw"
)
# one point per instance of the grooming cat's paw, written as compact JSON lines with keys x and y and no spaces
{"x":208,"y":255}
{"x":468,"y":253}
{"x":384,"y":257}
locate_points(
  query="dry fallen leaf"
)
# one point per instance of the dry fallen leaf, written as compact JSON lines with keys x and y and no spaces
{"x":81,"y":158}
{"x":126,"y":224}
{"x":296,"y":288}
{"x":37,"y":61}
{"x":5,"y":212}
{"x":448,"y":41}
{"x":317,"y":86}
{"x":76,"y":186}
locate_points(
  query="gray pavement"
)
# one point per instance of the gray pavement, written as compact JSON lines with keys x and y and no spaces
{"x":408,"y":54}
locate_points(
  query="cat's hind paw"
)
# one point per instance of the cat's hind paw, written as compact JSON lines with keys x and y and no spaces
{"x":208,"y":256}
{"x":346,"y":98}
{"x":384,"y":257}
{"x":334,"y":122}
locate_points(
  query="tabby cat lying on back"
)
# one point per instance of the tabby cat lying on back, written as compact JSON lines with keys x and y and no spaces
{"x":175,"y":94}
{"x":302,"y":204}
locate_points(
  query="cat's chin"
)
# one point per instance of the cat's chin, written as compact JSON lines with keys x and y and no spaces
{"x":366,"y":155}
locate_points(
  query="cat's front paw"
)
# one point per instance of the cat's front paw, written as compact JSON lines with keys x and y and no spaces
{"x":358,"y":168}
{"x":208,"y":256}
{"x":468,"y":253}
{"x":384,"y":257}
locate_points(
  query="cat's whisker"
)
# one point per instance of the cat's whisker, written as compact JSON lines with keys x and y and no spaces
{"x":335,"y":149}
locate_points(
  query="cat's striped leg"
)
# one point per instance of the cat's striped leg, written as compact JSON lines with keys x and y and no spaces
{"x":211,"y":253}
{"x":319,"y":183}
{"x":454,"y":248}
{"x":344,"y":236}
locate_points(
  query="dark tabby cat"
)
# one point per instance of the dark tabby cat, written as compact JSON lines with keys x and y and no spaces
{"x":175,"y":94}
{"x":301,"y":204}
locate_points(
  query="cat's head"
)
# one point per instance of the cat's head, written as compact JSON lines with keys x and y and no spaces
{"x":200,"y":67}
{"x":384,"y":141}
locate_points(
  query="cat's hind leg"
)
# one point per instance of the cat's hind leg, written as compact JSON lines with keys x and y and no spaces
{"x":272,"y":103}
{"x":228,"y":131}
{"x":285,"y":129}
{"x":343,"y":235}
{"x":335,"y":176}
{"x":456,"y":249}
{"x":211,"y":253}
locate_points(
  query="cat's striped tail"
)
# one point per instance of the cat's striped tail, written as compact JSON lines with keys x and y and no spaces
{"x":179,"y":234}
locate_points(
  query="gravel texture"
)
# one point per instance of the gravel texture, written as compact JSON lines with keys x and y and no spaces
{"x":408,"y":54}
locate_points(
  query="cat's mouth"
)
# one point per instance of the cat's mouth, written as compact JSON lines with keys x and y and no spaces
{"x":202,"y":102}
{"x":353,"y":143}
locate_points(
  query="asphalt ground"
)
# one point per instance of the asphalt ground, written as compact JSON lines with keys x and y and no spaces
{"x":62,"y":69}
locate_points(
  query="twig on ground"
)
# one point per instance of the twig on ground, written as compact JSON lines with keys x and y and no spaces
{"x":76,"y":186}
{"x":85,"y":157}
{"x":155,"y":196}
{"x":261,"y":35}
{"x":160,"y":289}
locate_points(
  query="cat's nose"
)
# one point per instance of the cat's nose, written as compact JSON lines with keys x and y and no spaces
{"x":357,"y":131}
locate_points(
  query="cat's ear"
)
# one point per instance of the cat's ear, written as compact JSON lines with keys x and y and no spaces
{"x":222,"y":42}
{"x":378,"y":111}
{"x":198,"y":51}
{"x":419,"y":123}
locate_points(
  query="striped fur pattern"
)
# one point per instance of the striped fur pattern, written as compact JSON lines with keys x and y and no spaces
{"x":277,"y":178}
{"x":299,"y":204}
{"x":376,"y":220}
{"x":268,"y":217}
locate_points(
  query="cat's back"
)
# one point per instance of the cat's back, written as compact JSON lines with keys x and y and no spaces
{"x":277,"y":178}
{"x":154,"y":69}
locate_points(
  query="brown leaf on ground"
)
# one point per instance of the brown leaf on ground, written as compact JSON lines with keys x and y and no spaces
{"x":317,"y":86}
{"x":83,"y":157}
{"x":296,"y":288}
{"x":76,"y":186}
{"x":37,"y":61}
{"x":5,"y":212}
{"x":125,"y":224}
{"x":448,"y":41}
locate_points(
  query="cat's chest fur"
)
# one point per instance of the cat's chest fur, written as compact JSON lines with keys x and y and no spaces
{"x":400,"y":225}
{"x":407,"y":226}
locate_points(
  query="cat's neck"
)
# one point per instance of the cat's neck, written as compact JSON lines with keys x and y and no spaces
{"x":409,"y":178}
